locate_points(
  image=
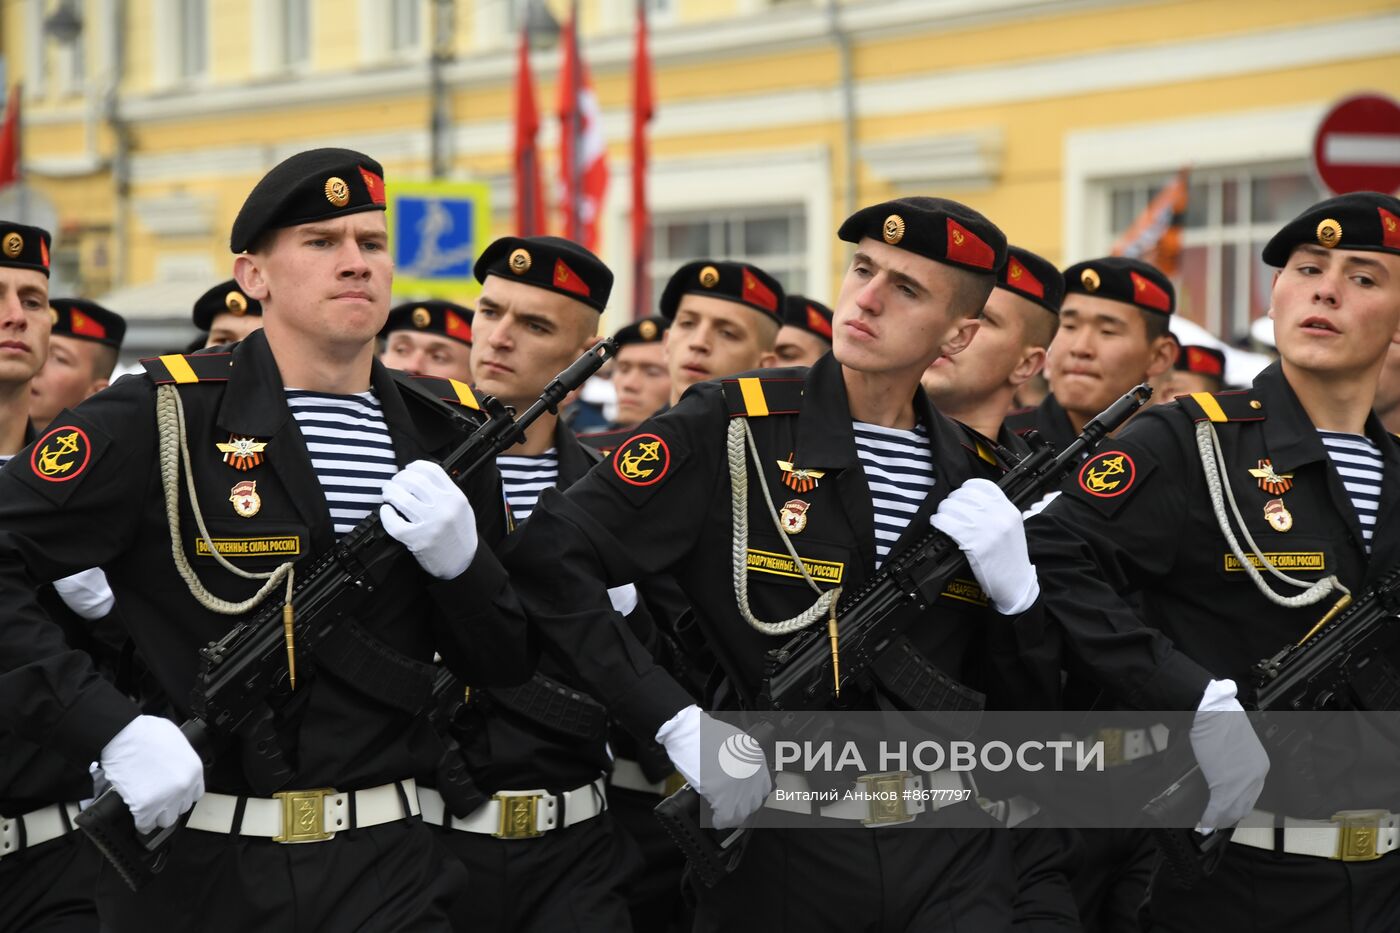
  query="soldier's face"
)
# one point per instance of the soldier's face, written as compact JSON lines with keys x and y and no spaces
{"x":324,"y":282}
{"x":524,"y":336}
{"x":1336,"y":311}
{"x":995,"y":353}
{"x":428,"y":355}
{"x":712,"y":338}
{"x":1101,"y":351}
{"x":228,"y":327}
{"x":797,"y":347}
{"x":898,"y":312}
{"x":68,"y":376}
{"x":24,"y":324}
{"x":641,"y":381}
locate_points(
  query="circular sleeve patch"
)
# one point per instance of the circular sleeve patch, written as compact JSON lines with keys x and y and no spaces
{"x":1107,"y":474}
{"x":61,"y":454}
{"x":642,"y":460}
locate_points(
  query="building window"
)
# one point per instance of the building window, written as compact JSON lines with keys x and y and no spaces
{"x":1221,"y":282}
{"x":405,"y":26}
{"x":35,"y":49}
{"x":772,"y":238}
{"x":191,"y":37}
{"x":294,"y":22}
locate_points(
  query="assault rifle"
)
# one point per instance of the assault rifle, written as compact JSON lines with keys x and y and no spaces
{"x":804,"y":674}
{"x":1343,"y":662}
{"x":245,"y":675}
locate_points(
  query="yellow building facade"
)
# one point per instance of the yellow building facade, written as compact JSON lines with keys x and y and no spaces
{"x":146,"y":126}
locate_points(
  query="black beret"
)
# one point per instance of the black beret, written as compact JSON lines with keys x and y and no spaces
{"x":1364,"y":221}
{"x":1033,"y":278}
{"x":1119,"y":278}
{"x":445,"y":318}
{"x":1207,"y":361}
{"x":24,"y":247}
{"x":314,"y":185}
{"x":647,"y":330}
{"x":549,"y":262}
{"x":934,"y":228}
{"x":87,"y":320}
{"x":806,"y":314}
{"x":226,"y":296}
{"x":730,"y":281}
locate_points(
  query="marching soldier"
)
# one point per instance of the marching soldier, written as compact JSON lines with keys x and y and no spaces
{"x":639,"y":372}
{"x":429,"y":338}
{"x":541,"y":849}
{"x":1113,"y":335}
{"x":724,"y":319}
{"x":226,"y":314}
{"x":1312,"y":481}
{"x":291,"y":438}
{"x":805,"y":336}
{"x":864,"y":464}
{"x":83,"y":351}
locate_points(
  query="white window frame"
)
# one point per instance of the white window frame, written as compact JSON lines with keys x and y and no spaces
{"x":170,"y":63}
{"x":35,"y":50}
{"x":426,"y":16}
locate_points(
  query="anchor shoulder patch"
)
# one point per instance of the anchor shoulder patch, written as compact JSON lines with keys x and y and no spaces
{"x":1222,"y":407}
{"x":1111,"y":477}
{"x":183,"y":369}
{"x":759,"y":396}
{"x":62,"y":458}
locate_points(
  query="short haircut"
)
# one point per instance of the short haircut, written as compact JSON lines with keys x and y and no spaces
{"x":1041,"y":327}
{"x":1158,"y":324}
{"x":768,"y":328}
{"x":104,"y":361}
{"x":970,"y":292}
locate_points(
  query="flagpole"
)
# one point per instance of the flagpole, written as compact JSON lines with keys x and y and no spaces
{"x":527,"y":194}
{"x":575,"y":231}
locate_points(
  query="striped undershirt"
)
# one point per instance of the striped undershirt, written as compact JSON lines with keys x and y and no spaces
{"x":899,"y":470}
{"x":351,"y":451}
{"x":524,"y":478}
{"x":1359,"y":464}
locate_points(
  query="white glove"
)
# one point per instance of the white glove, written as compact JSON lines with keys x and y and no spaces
{"x":988,"y":528}
{"x":1039,"y":505}
{"x":155,"y":770}
{"x":1230,"y":756}
{"x":87,"y":593}
{"x":429,"y":514}
{"x":623,"y":598}
{"x":731,"y":798}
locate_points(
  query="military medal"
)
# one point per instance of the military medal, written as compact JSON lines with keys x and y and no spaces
{"x":242,"y":453}
{"x":1277,"y":514}
{"x":245,"y":498}
{"x":794,"y":516}
{"x":1275,"y":484}
{"x":799,"y":480}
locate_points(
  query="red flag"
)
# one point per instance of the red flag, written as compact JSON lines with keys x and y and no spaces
{"x":643,"y":108}
{"x":582,"y":147}
{"x":1155,"y":236}
{"x":9,"y":141}
{"x":529,"y":194}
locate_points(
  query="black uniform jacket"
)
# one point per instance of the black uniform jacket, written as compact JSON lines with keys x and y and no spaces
{"x":1138,"y":519}
{"x":107,"y":510}
{"x":662,"y":503}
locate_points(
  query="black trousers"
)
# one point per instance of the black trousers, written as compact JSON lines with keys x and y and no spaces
{"x":389,"y":877}
{"x":565,"y":881}
{"x":48,"y":889}
{"x":1253,"y":891}
{"x":1111,"y":886}
{"x":858,"y":880}
{"x":654,"y":894}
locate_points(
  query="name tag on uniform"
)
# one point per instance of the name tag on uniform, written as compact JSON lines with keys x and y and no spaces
{"x":823,"y":571}
{"x":283,"y":546}
{"x":1289,"y":560}
{"x":966,"y":591}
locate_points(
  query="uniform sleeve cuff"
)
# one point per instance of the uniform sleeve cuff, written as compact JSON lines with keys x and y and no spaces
{"x":652,"y":702}
{"x":91,"y":722}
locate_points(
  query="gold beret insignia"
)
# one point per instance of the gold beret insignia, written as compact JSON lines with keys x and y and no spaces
{"x":520,"y":261}
{"x":1329,"y":233}
{"x":893,"y":229}
{"x":337,"y":191}
{"x":1090,"y":280}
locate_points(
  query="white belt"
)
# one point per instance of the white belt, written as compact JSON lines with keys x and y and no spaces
{"x":306,"y":815}
{"x":36,"y":827}
{"x":1121,"y":746}
{"x":876,"y":799}
{"x":519,"y":814}
{"x":628,"y":775}
{"x":1350,"y":836}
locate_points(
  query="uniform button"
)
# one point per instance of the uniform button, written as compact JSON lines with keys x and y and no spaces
{"x":1256,"y":404}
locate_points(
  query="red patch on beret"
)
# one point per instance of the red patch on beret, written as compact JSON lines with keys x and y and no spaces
{"x":1149,"y":293}
{"x":968,"y":248}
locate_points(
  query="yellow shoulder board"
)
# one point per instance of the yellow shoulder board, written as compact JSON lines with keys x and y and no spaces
{"x":182,"y":369}
{"x":756,"y":397}
{"x":1220,"y":407}
{"x":449,"y":390}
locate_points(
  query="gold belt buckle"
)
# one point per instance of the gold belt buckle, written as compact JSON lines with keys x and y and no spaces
{"x":885,"y":798}
{"x":673,"y":783}
{"x":518,"y":816}
{"x":1112,"y":740}
{"x":1360,"y":834}
{"x":304,"y":815}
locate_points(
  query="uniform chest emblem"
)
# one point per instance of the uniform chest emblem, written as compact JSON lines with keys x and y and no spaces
{"x":242,"y":453}
{"x":1275,"y":484}
{"x":794,"y":516}
{"x":245,"y":498}
{"x":799,"y":480}
{"x":1277,"y":514}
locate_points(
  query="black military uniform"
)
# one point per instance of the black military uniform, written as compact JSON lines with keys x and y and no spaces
{"x":90,"y":494}
{"x":1139,"y":518}
{"x":663,"y":503}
